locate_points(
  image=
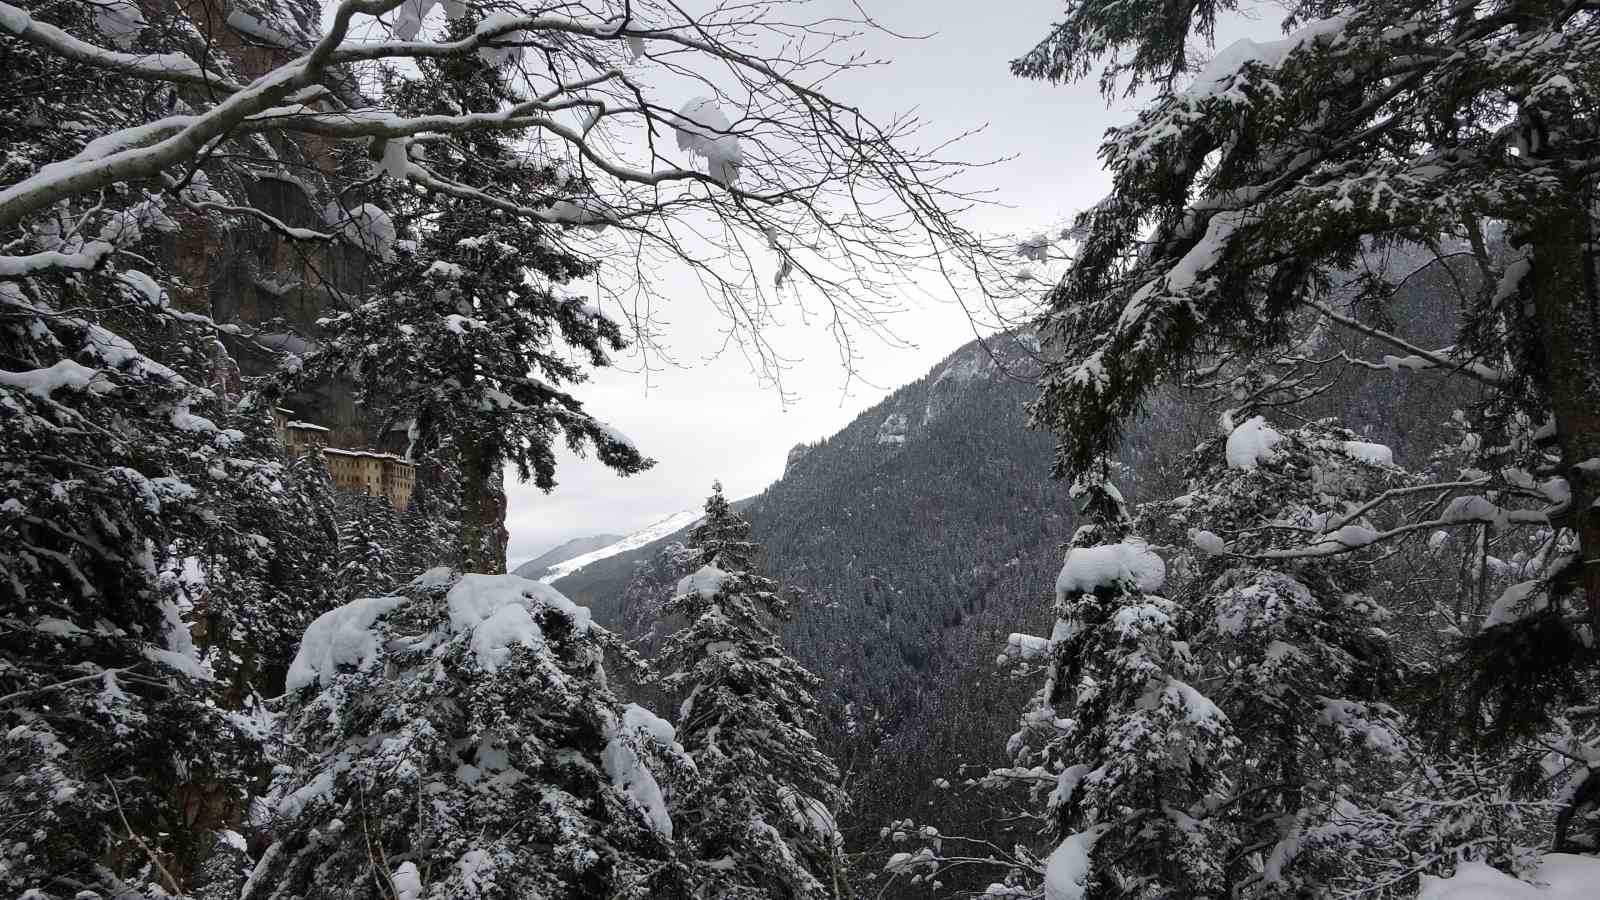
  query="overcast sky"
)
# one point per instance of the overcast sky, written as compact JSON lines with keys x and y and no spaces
{"x":713,"y":418}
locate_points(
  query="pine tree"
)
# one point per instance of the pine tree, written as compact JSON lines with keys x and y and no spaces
{"x":1132,"y":753}
{"x":758,"y":818}
{"x":458,"y":739}
{"x":1250,"y":192}
{"x":469,"y":339}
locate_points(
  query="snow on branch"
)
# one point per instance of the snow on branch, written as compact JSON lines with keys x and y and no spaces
{"x":173,"y":67}
{"x":1417,"y":359}
{"x":799,"y":182}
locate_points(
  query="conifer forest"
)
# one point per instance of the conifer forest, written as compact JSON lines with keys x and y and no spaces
{"x":1244,"y":544}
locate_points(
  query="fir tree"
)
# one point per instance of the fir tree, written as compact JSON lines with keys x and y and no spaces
{"x":139,"y":511}
{"x":1132,"y":753}
{"x":457,"y":739}
{"x":758,"y":819}
{"x":1272,"y":571}
{"x":372,"y":544}
{"x":1246,"y":198}
{"x":469,"y":339}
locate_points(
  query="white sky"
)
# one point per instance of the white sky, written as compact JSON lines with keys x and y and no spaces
{"x":712,"y":417}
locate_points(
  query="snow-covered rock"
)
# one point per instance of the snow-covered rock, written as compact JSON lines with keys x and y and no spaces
{"x":893,"y":430}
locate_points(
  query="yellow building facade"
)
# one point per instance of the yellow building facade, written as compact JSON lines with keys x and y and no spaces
{"x":356,"y":471}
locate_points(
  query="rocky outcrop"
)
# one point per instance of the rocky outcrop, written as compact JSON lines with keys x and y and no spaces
{"x":894,"y":429}
{"x":796,"y":453}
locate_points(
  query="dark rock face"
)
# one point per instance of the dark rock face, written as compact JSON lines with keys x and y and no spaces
{"x":796,"y":453}
{"x":268,"y":291}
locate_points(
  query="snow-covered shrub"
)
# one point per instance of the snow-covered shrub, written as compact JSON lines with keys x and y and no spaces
{"x":460,"y":733}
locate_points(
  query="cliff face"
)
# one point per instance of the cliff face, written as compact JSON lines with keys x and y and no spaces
{"x":265,"y":290}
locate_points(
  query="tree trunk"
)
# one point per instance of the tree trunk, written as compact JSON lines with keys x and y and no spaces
{"x":483,"y":506}
{"x":1568,"y":319}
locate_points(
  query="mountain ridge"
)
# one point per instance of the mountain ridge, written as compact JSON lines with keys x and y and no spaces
{"x":537,"y":566}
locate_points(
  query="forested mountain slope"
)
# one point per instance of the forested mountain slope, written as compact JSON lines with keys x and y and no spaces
{"x":928,"y":530}
{"x":921,"y":534}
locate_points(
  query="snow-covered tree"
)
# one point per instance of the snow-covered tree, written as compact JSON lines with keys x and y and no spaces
{"x":1250,"y":188}
{"x":758,"y":820}
{"x":1127,"y":751}
{"x":466,"y":340}
{"x":135,"y":506}
{"x":142,"y":502}
{"x":458,"y":739}
{"x":1290,"y":644}
{"x":697,"y":140}
{"x":372,"y":546}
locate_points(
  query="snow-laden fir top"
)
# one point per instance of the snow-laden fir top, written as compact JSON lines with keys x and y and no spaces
{"x":497,"y":610}
{"x":1088,"y":568}
{"x":339,"y":637}
{"x":1250,"y":443}
{"x":705,"y":581}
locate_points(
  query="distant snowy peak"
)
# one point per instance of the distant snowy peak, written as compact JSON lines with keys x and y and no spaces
{"x":654,"y":532}
{"x":536,"y":567}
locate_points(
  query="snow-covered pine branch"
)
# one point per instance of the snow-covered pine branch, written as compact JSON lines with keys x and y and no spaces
{"x":1248,"y":189}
